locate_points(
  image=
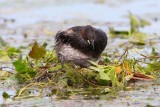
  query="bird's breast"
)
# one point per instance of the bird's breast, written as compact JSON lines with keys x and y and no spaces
{"x":70,"y":53}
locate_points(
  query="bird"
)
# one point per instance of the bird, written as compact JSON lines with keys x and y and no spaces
{"x":79,"y":44}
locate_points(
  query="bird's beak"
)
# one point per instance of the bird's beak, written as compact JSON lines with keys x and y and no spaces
{"x":88,"y":42}
{"x":92,"y":43}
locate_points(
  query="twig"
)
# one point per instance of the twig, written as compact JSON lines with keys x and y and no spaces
{"x":123,"y":54}
{"x":150,"y":56}
{"x":9,"y":68}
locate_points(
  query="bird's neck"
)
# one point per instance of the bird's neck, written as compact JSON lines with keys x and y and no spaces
{"x":83,"y":34}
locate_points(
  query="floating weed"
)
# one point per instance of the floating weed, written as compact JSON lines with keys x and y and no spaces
{"x":116,"y":33}
{"x":144,"y":23}
{"x":40,"y":69}
{"x":39,"y":72}
{"x":39,"y":88}
{"x":138,"y":38}
{"x":13,"y":52}
{"x":2,"y":43}
{"x":37,"y":51}
{"x":8,"y":54}
{"x":119,"y":73}
{"x":135,"y":24}
{"x":4,"y":58}
{"x":107,"y":74}
{"x":5,"y":95}
{"x":153,"y":66}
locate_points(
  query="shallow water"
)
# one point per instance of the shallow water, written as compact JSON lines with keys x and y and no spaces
{"x":40,"y":20}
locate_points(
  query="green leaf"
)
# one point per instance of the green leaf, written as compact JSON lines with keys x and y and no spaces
{"x":112,"y":74}
{"x":154,"y":53}
{"x":134,"y":22}
{"x":5,"y":95}
{"x":37,"y":51}
{"x":2,"y":43}
{"x":4,"y":58}
{"x":104,"y":76}
{"x":107,"y":60}
{"x":93,"y":63}
{"x":96,"y":68}
{"x":12,"y":50}
{"x":96,"y":65}
{"x":107,"y":90}
{"x":144,"y":22}
{"x":118,"y":33}
{"x":20,"y":66}
{"x":138,"y":38}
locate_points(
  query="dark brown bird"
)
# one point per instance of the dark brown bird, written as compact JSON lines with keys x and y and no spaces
{"x":80,"y":44}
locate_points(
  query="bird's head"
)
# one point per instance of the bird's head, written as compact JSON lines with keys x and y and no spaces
{"x":89,"y":35}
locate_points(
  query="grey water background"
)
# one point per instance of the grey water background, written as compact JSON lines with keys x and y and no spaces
{"x":41,"y":19}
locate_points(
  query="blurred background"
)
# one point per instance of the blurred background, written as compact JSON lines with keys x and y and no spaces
{"x":23,"y":21}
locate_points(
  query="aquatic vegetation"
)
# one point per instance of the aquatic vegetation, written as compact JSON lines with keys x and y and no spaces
{"x":135,"y":24}
{"x":2,"y":43}
{"x":40,"y":70}
{"x":39,"y":73}
{"x":5,"y":95}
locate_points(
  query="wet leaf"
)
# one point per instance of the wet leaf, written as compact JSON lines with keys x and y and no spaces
{"x":107,"y":90}
{"x":138,"y":42}
{"x":134,"y":22}
{"x":12,"y":50}
{"x":140,"y":76}
{"x":104,"y":76}
{"x":138,"y":38}
{"x":96,"y":65}
{"x":50,"y":56}
{"x":96,"y":68}
{"x":93,"y":63}
{"x":20,"y":66}
{"x":2,"y":43}
{"x":118,"y":33}
{"x":154,"y":53}
{"x":5,"y":95}
{"x":107,"y":60}
{"x":4,"y":58}
{"x":113,"y":76}
{"x":144,"y":22}
{"x":37,"y":51}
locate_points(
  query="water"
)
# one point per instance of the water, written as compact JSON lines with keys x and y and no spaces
{"x":40,"y":20}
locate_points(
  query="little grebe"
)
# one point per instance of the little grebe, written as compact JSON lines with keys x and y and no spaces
{"x":80,"y":44}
